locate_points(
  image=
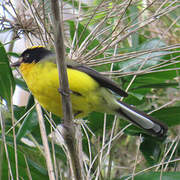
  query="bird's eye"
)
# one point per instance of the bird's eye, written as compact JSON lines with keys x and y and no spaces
{"x":26,"y":56}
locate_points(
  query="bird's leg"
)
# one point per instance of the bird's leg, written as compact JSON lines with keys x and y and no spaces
{"x":63,"y":92}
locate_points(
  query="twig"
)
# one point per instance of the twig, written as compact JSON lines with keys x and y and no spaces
{"x":115,"y":129}
{"x":45,"y":143}
{"x":149,"y":168}
{"x":14,"y":137}
{"x":110,"y":150}
{"x":137,"y":155}
{"x":28,"y":169}
{"x":5,"y":144}
{"x":101,"y":153}
{"x":54,"y":155}
{"x":118,"y":135}
{"x":1,"y":157}
{"x":174,"y":149}
{"x":69,"y":130}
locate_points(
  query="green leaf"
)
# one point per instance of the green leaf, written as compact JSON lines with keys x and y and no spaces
{"x":96,"y":122}
{"x":13,"y":54}
{"x":36,"y":173}
{"x":158,"y":85}
{"x":21,"y":83}
{"x":7,"y":83}
{"x":155,"y":79}
{"x":30,"y":121}
{"x":170,"y":115}
{"x":144,"y":83}
{"x":134,"y":64}
{"x":151,"y":150}
{"x":133,"y":13}
{"x":18,"y":111}
{"x":30,"y":102}
{"x":152,"y":44}
{"x":138,"y":96}
{"x":36,"y":167}
{"x":154,"y":58}
{"x":156,"y":176}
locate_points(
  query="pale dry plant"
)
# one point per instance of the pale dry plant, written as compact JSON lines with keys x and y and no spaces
{"x":108,"y":22}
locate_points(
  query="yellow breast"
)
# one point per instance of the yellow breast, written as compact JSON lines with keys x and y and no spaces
{"x":42,"y":79}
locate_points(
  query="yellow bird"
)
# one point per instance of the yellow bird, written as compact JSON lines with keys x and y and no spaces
{"x":90,"y":91}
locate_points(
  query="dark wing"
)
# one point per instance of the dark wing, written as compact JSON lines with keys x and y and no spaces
{"x":102,"y":80}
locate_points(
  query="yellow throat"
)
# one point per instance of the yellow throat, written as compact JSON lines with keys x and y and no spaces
{"x":42,"y":80}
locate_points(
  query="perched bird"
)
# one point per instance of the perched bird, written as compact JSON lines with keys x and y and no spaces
{"x":90,"y":91}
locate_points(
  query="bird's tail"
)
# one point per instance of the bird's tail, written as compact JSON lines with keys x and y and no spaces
{"x":142,"y":120}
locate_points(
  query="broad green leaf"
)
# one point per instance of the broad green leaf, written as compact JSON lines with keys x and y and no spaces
{"x":155,"y":176}
{"x":134,"y":64}
{"x":36,"y":167}
{"x":18,"y":111}
{"x":13,"y":54}
{"x":96,"y":121}
{"x":152,"y":44}
{"x":40,"y":173}
{"x":138,"y":96}
{"x":30,"y":121}
{"x":156,"y":79}
{"x":144,"y":83}
{"x":152,"y":150}
{"x":151,"y":59}
{"x":170,"y":115}
{"x":21,"y":83}
{"x":30,"y":102}
{"x":158,"y":85}
{"x":133,"y":14}
{"x":7,"y":83}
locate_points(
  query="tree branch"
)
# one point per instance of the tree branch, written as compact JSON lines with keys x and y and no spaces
{"x":69,"y":131}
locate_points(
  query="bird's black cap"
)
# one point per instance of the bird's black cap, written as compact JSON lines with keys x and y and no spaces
{"x":34,"y":54}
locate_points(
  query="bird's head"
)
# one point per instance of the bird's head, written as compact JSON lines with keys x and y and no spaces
{"x":32,"y":55}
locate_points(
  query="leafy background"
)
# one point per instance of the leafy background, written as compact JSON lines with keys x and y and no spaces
{"x":136,"y":43}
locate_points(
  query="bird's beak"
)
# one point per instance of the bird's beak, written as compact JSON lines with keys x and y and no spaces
{"x":17,"y":64}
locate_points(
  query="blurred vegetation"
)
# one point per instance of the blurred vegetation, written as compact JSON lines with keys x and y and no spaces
{"x":136,"y":43}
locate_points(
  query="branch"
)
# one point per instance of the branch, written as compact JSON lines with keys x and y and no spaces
{"x":69,"y":132}
{"x":47,"y":153}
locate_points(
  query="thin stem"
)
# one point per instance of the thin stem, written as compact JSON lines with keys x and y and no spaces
{"x":45,"y":143}
{"x":5,"y":144}
{"x":69,"y":129}
{"x":14,"y":138}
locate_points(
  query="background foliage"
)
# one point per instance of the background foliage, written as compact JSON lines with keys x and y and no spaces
{"x":136,"y":43}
